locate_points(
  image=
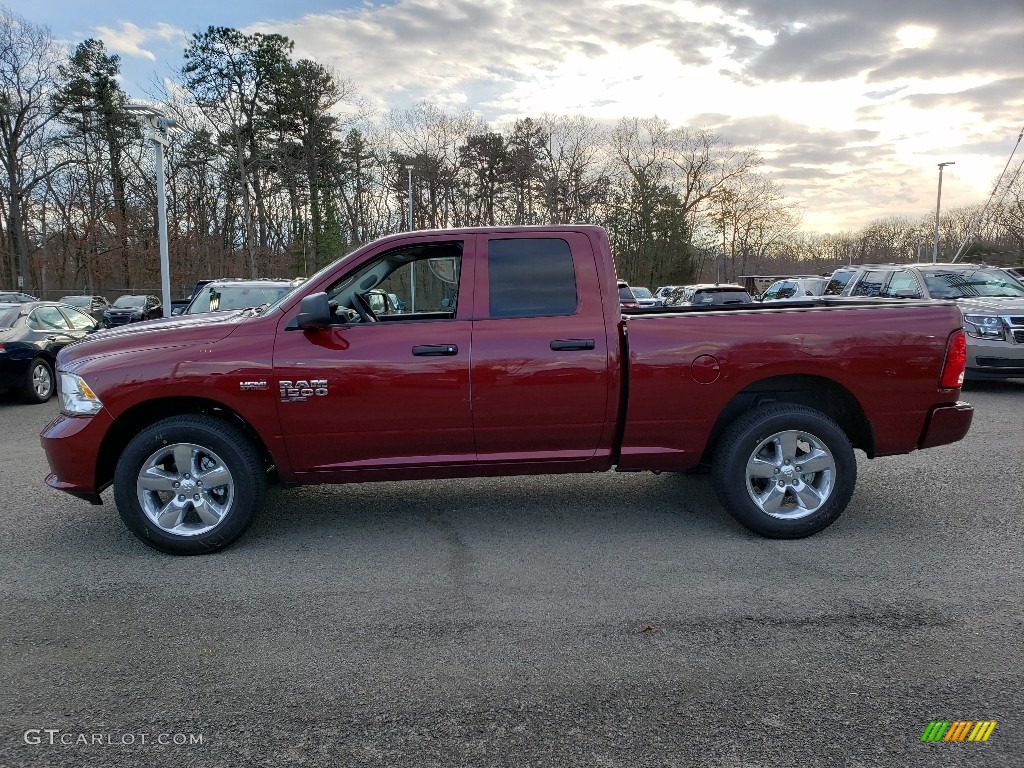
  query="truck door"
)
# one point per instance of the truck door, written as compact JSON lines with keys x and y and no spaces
{"x":541,"y":374}
{"x":383,"y":392}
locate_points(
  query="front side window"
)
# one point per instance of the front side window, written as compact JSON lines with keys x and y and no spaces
{"x":79,"y":320}
{"x":837,"y":283}
{"x":416,"y":282}
{"x":786,"y":290}
{"x":531,"y":277}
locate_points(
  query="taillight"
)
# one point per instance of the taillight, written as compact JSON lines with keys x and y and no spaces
{"x":956,"y":361}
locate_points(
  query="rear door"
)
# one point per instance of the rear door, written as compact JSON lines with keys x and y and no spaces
{"x":541,"y":370}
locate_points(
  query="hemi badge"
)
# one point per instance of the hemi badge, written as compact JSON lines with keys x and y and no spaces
{"x":247,"y":385}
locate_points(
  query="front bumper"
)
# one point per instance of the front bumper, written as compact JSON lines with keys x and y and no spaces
{"x":72,"y":446}
{"x":946,"y":424}
{"x":994,"y":359}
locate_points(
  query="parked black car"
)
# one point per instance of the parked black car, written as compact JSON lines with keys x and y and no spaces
{"x":31,"y":335}
{"x":132,"y":308}
{"x":93,"y":305}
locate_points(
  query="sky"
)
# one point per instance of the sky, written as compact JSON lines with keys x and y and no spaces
{"x":852,"y":103}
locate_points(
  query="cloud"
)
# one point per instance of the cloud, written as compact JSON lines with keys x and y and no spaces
{"x":128,"y":39}
{"x":851,"y":102}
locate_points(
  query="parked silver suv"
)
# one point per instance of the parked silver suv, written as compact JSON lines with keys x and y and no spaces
{"x":992,"y":303}
{"x":222,"y":295}
{"x":795,"y":289}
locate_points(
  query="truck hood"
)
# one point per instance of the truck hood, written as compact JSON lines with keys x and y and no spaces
{"x":164,"y":332}
{"x":991,"y":305}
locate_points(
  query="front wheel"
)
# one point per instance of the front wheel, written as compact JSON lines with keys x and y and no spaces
{"x":189,"y":485}
{"x":39,"y":381}
{"x":785,"y":471}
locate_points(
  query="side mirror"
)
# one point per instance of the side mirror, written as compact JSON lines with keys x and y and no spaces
{"x":314,"y":312}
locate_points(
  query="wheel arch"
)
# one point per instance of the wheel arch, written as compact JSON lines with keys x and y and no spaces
{"x":818,"y":392}
{"x":137,"y":418}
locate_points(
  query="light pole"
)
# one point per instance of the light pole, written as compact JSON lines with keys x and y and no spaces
{"x":409,"y":169}
{"x":158,"y":125}
{"x":938,"y":202}
{"x":412,"y":266}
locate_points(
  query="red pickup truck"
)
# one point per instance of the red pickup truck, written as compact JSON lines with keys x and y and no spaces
{"x":512,"y":357}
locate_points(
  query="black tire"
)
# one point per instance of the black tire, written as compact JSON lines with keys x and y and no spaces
{"x":39,"y":382}
{"x":178,"y":509}
{"x":757,"y":471}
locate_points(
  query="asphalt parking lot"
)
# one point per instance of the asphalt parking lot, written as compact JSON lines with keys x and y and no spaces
{"x":606,"y":620}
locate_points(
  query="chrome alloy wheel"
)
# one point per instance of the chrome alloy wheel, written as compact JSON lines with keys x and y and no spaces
{"x":790,"y":475}
{"x":185,"y":489}
{"x":42,"y":381}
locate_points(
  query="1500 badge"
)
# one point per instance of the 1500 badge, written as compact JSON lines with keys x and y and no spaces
{"x":299,"y":391}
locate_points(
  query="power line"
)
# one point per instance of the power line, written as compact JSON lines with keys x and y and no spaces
{"x":981,"y":214}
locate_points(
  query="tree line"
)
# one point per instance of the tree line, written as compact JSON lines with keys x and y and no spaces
{"x":275,"y":168}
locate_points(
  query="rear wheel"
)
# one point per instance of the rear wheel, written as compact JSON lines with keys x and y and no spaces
{"x":189,"y":485}
{"x":39,"y":381}
{"x":785,"y":471}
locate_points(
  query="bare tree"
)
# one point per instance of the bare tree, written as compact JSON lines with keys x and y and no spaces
{"x":29,"y":61}
{"x":575,"y":185}
{"x":428,"y":138}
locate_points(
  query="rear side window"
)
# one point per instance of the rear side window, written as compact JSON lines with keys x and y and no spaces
{"x":870,"y":284}
{"x":902,"y":285}
{"x":531,"y":277}
{"x":79,"y":320}
{"x":47,"y":318}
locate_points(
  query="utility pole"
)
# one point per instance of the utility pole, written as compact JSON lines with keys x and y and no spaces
{"x":938,"y":202}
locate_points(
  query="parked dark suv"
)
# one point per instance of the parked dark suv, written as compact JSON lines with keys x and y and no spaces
{"x":991,"y":300}
{"x":132,"y":308}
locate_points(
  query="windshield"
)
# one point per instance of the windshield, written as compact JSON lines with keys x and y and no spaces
{"x":721,"y":296}
{"x":125,"y":302}
{"x":971,"y":283}
{"x":642,"y":293}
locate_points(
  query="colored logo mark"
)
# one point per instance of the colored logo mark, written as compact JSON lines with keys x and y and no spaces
{"x":958,"y":730}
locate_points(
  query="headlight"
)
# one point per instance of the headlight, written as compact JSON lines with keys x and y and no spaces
{"x":984,"y":326}
{"x":76,"y":398}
